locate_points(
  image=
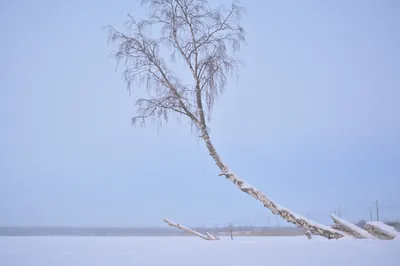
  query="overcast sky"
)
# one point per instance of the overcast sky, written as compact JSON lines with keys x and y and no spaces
{"x":313,"y":120}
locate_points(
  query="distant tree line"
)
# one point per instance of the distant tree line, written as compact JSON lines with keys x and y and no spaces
{"x":133,"y":231}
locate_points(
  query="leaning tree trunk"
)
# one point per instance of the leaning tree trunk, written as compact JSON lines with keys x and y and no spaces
{"x":351,"y":229}
{"x":382,"y":230}
{"x":286,"y":214}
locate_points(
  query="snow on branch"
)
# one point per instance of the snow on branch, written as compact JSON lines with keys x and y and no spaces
{"x":285,"y":213}
{"x":382,"y":230}
{"x":351,"y":229}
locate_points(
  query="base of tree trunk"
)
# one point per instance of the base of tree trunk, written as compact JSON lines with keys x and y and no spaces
{"x":350,"y":229}
{"x":288,"y":215}
{"x":382,"y":230}
{"x":207,"y":236}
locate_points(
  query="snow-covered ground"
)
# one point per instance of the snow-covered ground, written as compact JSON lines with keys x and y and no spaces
{"x":193,"y":251}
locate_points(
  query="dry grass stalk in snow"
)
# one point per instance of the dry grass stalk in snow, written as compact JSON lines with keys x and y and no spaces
{"x":204,"y":40}
{"x":381,"y":230}
{"x":351,"y":229}
{"x":207,"y":236}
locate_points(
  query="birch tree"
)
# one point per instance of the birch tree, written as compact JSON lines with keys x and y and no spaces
{"x":206,"y":40}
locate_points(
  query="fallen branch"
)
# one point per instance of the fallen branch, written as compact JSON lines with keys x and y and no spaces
{"x":212,"y":236}
{"x":207,"y":236}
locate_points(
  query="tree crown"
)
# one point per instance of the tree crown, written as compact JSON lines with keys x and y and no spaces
{"x":204,"y":38}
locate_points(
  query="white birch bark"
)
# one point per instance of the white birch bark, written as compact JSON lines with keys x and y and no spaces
{"x":351,"y":229}
{"x":382,"y":230}
{"x":286,"y":214}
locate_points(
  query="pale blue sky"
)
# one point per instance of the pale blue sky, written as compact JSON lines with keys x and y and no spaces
{"x":313,"y":121}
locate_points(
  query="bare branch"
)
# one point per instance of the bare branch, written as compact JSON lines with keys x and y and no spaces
{"x":205,"y":38}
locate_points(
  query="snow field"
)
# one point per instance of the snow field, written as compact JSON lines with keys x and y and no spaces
{"x":194,"y":251}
